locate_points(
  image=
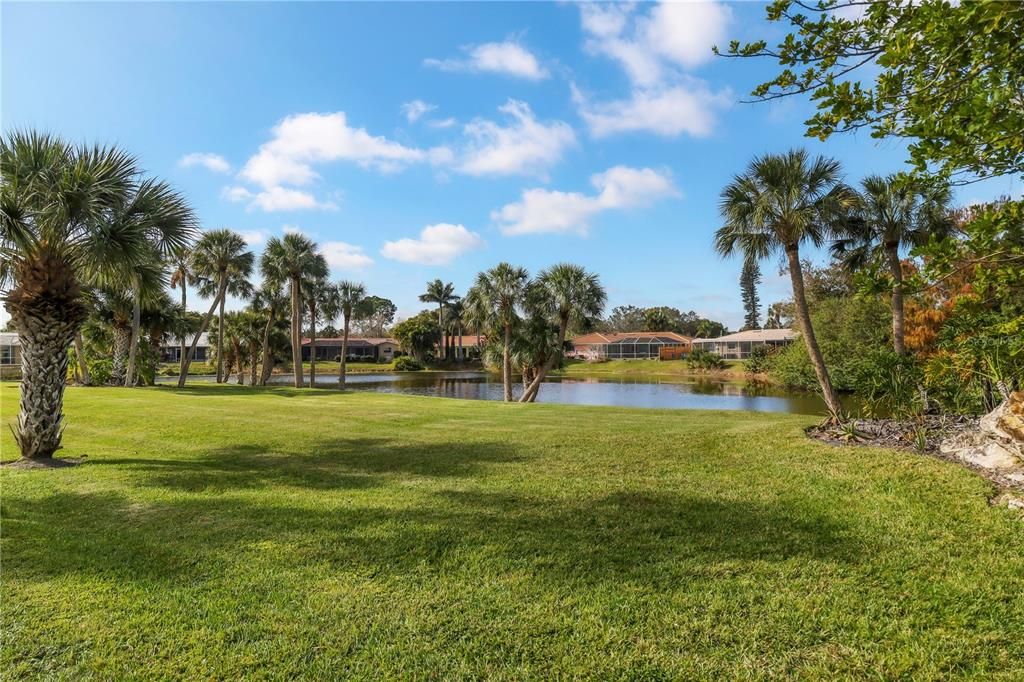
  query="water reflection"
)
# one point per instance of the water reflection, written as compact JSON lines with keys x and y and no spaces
{"x":647,"y":392}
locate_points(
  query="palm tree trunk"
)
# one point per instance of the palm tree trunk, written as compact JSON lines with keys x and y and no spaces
{"x":296,"y":332}
{"x":796,"y":275}
{"x":181,"y":356}
{"x":440,"y":327}
{"x":129,"y":377}
{"x":344,"y":352}
{"x":267,"y":364}
{"x":506,"y":364}
{"x":122,"y":341}
{"x":530,"y":394}
{"x":240,"y":359}
{"x":202,"y":330}
{"x":461,"y":354}
{"x":896,"y":269}
{"x":220,"y":343}
{"x":83,"y":366}
{"x":46,"y":311}
{"x":254,"y":361}
{"x":312,"y":347}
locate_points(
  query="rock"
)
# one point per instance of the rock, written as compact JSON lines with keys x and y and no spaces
{"x":997,"y":445}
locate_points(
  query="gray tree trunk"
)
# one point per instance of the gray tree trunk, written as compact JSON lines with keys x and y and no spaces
{"x":896,"y":269}
{"x":796,"y":275}
{"x":202,"y":329}
{"x":122,"y":341}
{"x":184,"y":344}
{"x":83,"y":366}
{"x":296,"y":331}
{"x":129,"y":377}
{"x":344,"y":352}
{"x":530,"y":394}
{"x":267,"y":364}
{"x":506,"y":364}
{"x":312,"y":348}
{"x":221,"y":378}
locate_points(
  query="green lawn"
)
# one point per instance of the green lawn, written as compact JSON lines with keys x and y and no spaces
{"x":733,"y":368}
{"x":221,"y":532}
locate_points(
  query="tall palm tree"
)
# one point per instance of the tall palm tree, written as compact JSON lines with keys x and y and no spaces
{"x":180,"y":265}
{"x":350,"y":297}
{"x":271,"y":302}
{"x":220,"y":260}
{"x":893,"y":213}
{"x":442,"y":294}
{"x":321,"y":298}
{"x":54,"y":237}
{"x":781,"y":201}
{"x":494,"y":302}
{"x":454,"y":318}
{"x":564,"y":294}
{"x":292,"y":259}
{"x":237,"y":285}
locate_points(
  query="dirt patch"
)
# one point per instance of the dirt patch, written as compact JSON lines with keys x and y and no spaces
{"x":923,"y":434}
{"x":51,"y":463}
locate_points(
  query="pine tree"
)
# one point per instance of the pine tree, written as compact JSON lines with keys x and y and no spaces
{"x":750,"y":277}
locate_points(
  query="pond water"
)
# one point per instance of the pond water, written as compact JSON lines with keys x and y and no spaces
{"x":649,"y":392}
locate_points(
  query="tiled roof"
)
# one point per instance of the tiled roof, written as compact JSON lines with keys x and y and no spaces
{"x":755,"y":335}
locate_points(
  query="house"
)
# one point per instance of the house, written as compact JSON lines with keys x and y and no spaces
{"x":359,"y":349}
{"x":10,"y":355}
{"x":471,"y":343}
{"x":170,"y":350}
{"x":739,"y":345}
{"x":629,"y":346}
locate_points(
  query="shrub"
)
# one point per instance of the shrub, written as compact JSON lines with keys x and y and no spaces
{"x":759,"y":360}
{"x":100,"y":370}
{"x":407,"y":364}
{"x":890,"y":383}
{"x":705,"y":360}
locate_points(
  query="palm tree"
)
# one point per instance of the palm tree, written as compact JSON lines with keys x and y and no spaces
{"x":292,"y":259}
{"x":442,"y":294}
{"x":453,"y":321}
{"x":237,"y":285}
{"x":780,"y":202}
{"x":181,"y":276}
{"x":271,"y":302}
{"x":220,"y":261}
{"x":321,"y":298}
{"x":54,"y":198}
{"x":145,"y":286}
{"x":565,"y":294}
{"x":494,"y":302}
{"x":350,"y":297}
{"x":893,"y":213}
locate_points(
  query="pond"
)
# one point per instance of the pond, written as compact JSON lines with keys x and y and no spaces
{"x":695,"y":393}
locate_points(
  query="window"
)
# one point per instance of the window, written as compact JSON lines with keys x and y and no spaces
{"x":6,"y":355}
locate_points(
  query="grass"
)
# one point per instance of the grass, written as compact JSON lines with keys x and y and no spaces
{"x":652,"y":368}
{"x":223,"y":532}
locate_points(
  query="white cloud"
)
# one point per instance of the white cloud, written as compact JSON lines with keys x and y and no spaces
{"x":301,"y":140}
{"x":277,"y":199}
{"x":509,"y":58}
{"x":670,"y":35}
{"x":254,"y":237}
{"x":525,"y":147}
{"x":442,"y":123}
{"x":686,"y":108}
{"x":415,"y":109}
{"x":546,"y":211}
{"x":438,"y":245}
{"x":655,"y":49}
{"x":345,"y":256}
{"x":291,"y":229}
{"x":211,"y":162}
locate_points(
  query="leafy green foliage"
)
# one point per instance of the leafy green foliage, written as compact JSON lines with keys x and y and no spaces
{"x":407,"y":364}
{"x":949,"y":77}
{"x":418,"y":334}
{"x":759,"y":360}
{"x":705,"y":360}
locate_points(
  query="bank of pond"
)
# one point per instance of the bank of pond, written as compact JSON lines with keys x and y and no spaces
{"x":657,"y":392}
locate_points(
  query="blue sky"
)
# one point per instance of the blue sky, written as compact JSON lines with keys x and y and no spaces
{"x":423,"y":140}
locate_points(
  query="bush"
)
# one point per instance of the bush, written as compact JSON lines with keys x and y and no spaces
{"x":889,"y":383}
{"x":705,"y":360}
{"x":759,"y":360}
{"x":100,"y":370}
{"x":407,"y":364}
